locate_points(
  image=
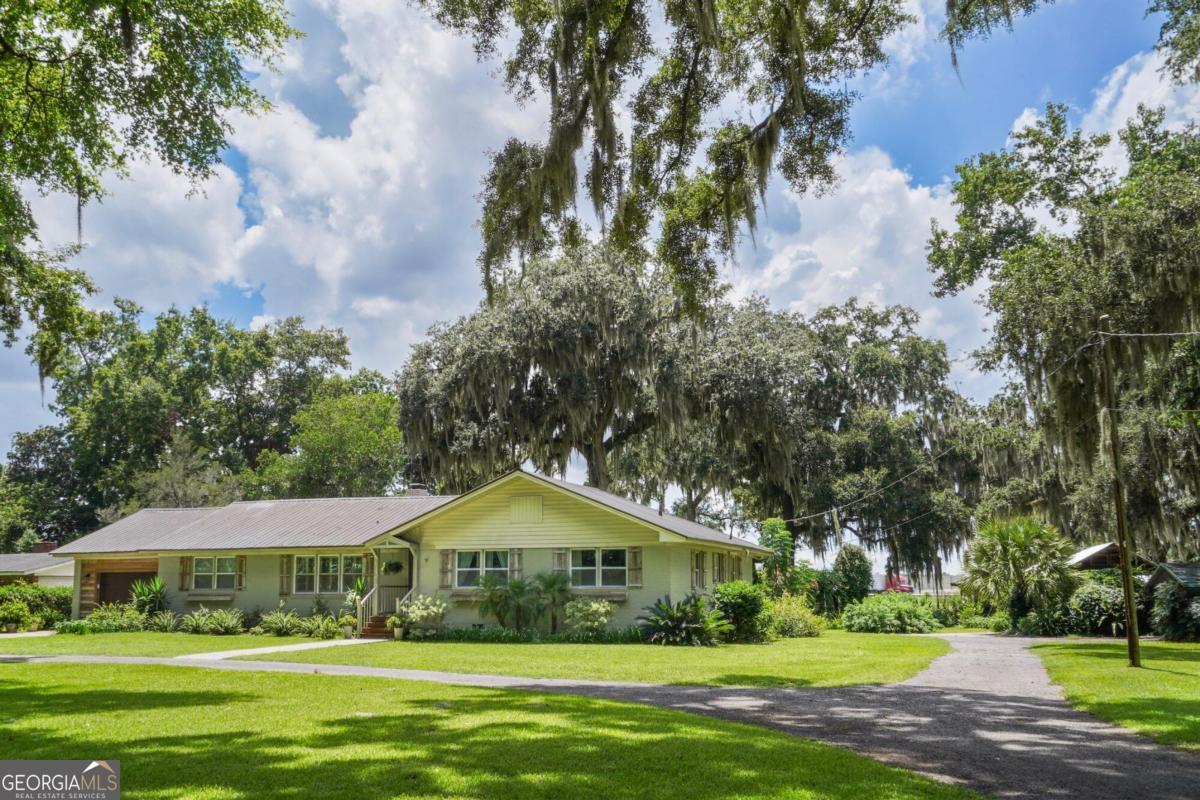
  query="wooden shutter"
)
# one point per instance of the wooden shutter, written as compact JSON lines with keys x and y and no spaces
{"x":515,"y":567}
{"x":185,"y":573}
{"x":285,"y":576}
{"x":635,"y":568}
{"x":737,"y":568}
{"x":239,"y":568}
{"x":447,"y":578}
{"x":561,"y":563}
{"x":703,"y":570}
{"x":692,"y":567}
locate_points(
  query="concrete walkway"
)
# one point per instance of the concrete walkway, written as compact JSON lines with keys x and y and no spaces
{"x":985,"y":717}
{"x":221,"y":655}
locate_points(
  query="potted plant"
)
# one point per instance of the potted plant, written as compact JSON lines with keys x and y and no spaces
{"x":396,"y":624}
{"x":13,"y":615}
{"x":393,"y":567}
{"x":348,"y":622}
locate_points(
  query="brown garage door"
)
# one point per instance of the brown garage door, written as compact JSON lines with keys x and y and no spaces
{"x":115,"y":586}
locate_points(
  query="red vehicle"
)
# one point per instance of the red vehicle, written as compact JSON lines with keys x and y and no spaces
{"x":897,"y":583}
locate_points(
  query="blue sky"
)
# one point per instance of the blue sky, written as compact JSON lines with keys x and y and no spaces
{"x":353,"y":203}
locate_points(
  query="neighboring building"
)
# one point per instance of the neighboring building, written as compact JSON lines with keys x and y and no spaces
{"x":254,"y":555}
{"x":1186,"y":575}
{"x":37,"y":567}
{"x":1103,"y":556}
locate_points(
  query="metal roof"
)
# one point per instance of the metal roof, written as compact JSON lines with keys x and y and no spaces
{"x":26,"y":563}
{"x":254,"y":525}
{"x":1186,"y":575}
{"x":1088,"y":552}
{"x":330,"y":522}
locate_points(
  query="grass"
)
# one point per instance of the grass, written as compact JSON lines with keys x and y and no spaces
{"x":836,"y":658}
{"x":181,"y":732}
{"x":1161,"y":700}
{"x":135,"y":644}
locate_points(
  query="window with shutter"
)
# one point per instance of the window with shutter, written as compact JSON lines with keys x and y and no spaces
{"x":635,"y":567}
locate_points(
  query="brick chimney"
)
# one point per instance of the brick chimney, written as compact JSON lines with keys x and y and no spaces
{"x":44,"y":547}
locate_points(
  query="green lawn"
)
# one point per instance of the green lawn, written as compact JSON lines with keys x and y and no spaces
{"x":181,"y":732}
{"x":836,"y":658}
{"x":134,"y":644}
{"x":1161,"y":700}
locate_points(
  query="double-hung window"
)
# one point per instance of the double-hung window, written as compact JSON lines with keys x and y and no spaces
{"x":471,"y":565}
{"x":605,"y":567}
{"x":214,"y":572}
{"x":352,"y":570}
{"x":306,"y":574}
{"x":327,"y":574}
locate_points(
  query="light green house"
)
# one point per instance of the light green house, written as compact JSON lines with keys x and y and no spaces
{"x":305,"y":553}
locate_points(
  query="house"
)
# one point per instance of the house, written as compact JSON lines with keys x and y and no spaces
{"x":255,"y":555}
{"x":1102,"y":556}
{"x":36,"y":567}
{"x":1185,"y":574}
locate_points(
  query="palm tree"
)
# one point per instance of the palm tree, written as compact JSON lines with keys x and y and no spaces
{"x":494,"y":599}
{"x":525,"y":602}
{"x":1020,"y":563}
{"x":555,"y":591}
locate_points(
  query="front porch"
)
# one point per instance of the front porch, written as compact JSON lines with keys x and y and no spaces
{"x":390,"y":581}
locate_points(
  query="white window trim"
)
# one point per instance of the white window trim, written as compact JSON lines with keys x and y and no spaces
{"x":483,"y":569}
{"x":599,"y":568}
{"x":316,"y":573}
{"x":214,"y":574}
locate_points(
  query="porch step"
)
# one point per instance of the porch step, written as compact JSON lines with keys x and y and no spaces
{"x":376,"y":628}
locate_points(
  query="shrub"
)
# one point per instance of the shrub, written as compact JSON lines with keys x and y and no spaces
{"x":1176,"y":617}
{"x":50,"y":604}
{"x":588,"y":616}
{"x":688,"y":622}
{"x":149,"y":597}
{"x":162,"y":622}
{"x":116,"y":618}
{"x":73,"y":626}
{"x":998,"y":622}
{"x":214,"y":622}
{"x":822,"y":593}
{"x":1043,"y":622}
{"x":745,"y":606}
{"x":890,"y":612}
{"x":14,"y":612}
{"x":496,"y":635}
{"x":852,"y":574}
{"x":280,"y":623}
{"x":1096,"y":607}
{"x":418,"y":617}
{"x":321,"y":626}
{"x":792,"y":618}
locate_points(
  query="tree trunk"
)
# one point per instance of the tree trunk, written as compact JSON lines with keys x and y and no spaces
{"x":597,"y":462}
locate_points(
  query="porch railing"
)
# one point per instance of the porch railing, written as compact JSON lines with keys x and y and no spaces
{"x":391,"y":596}
{"x":366,"y":608}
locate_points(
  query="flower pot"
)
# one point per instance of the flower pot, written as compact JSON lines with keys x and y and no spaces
{"x":348,"y":630}
{"x":10,"y":627}
{"x":397,"y":633}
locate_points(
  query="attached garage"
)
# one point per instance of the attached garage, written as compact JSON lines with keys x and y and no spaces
{"x":109,"y":580}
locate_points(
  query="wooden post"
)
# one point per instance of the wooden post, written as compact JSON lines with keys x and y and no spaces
{"x":1124,"y":542}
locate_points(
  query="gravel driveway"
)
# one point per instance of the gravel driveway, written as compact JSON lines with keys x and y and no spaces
{"x":985,"y":717}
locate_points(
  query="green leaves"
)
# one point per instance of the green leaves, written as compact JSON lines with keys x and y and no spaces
{"x":788,"y":61}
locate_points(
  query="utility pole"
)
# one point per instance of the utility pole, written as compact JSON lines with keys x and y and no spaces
{"x":1124,"y":542}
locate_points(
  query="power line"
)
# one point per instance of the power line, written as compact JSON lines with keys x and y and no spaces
{"x":874,"y":492}
{"x":1116,"y":334}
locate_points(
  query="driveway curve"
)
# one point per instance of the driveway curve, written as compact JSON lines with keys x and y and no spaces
{"x":985,"y":717}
